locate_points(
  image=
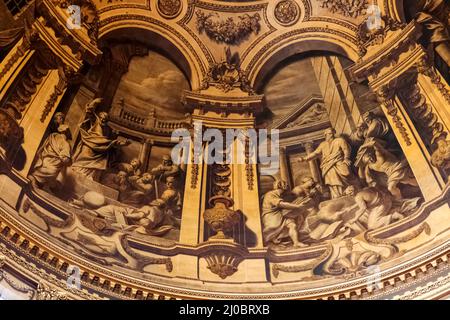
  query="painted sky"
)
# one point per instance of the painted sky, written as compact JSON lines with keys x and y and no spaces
{"x":154,"y":80}
{"x":289,"y":86}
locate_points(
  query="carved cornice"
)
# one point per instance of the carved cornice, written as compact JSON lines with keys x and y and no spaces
{"x":223,"y":103}
{"x":46,"y":293}
{"x":89,"y":15}
{"x":82,"y":42}
{"x":383,"y":64}
{"x":373,"y":37}
{"x":14,"y":283}
{"x":441,"y":285}
{"x":110,"y":7}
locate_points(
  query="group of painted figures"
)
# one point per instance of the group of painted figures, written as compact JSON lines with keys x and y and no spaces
{"x":359,"y":191}
{"x":141,"y":203}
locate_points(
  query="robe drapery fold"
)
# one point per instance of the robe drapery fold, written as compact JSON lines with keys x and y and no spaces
{"x":333,"y":153}
{"x":275,"y":222}
{"x":92,"y":153}
{"x":51,"y":155}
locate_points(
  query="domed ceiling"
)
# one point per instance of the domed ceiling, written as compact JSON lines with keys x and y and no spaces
{"x":107,"y":127}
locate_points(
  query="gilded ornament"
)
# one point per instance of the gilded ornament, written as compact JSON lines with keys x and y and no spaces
{"x":223,"y":264}
{"x":348,"y":8}
{"x":169,"y":8}
{"x":287,"y":12}
{"x":231,"y":30}
{"x":220,"y":218}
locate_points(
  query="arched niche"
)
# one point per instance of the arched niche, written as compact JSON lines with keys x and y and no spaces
{"x":154,"y":42}
{"x":171,"y":46}
{"x":269,"y":59}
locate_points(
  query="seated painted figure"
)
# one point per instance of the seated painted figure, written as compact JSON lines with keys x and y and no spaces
{"x":140,"y":191}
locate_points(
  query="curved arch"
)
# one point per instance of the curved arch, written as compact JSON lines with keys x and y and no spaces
{"x":393,"y":8}
{"x":269,"y":58}
{"x":173,"y":44}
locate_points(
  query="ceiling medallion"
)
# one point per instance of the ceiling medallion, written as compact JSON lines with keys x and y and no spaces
{"x":287,"y":12}
{"x":169,"y":9}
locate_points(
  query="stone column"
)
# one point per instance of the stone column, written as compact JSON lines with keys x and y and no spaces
{"x":284,"y":167}
{"x":191,"y":229}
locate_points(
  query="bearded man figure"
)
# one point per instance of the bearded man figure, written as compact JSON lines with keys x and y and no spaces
{"x":334,"y":154}
{"x":92,"y":153}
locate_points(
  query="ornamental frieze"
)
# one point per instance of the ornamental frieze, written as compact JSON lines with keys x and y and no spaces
{"x":347,"y":8}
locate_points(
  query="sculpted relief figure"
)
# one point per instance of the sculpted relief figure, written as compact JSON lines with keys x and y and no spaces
{"x":172,"y":197}
{"x":117,"y":181}
{"x":372,"y":209}
{"x":132,"y":169}
{"x":150,"y":219}
{"x":355,"y":212}
{"x":308,"y":192}
{"x":91,"y":155}
{"x":140,"y":190}
{"x":377,"y":166}
{"x":280,"y":217}
{"x":372,"y":127}
{"x":54,"y":155}
{"x":166,"y":169}
{"x":335,"y":154}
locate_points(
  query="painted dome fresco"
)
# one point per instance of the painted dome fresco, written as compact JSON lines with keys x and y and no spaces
{"x":175,"y":149}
